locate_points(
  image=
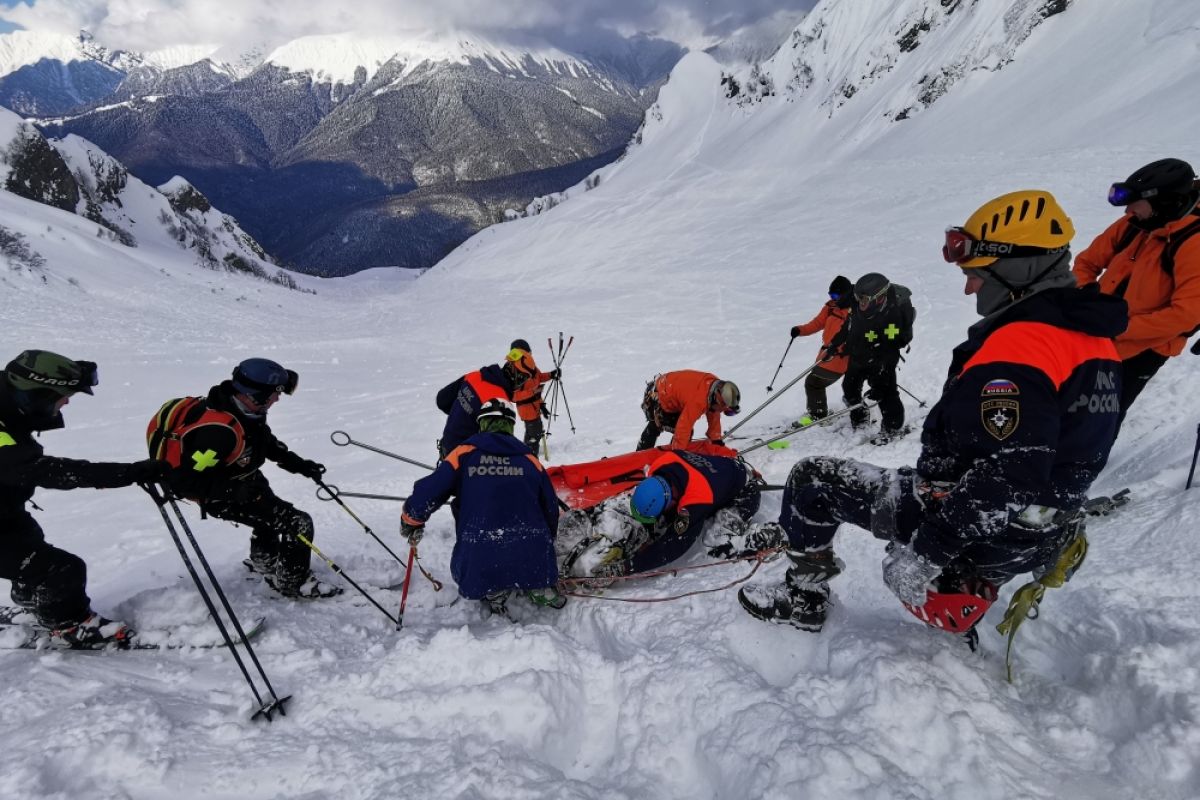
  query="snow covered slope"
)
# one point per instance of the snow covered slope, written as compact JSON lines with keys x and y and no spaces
{"x":699,"y":249}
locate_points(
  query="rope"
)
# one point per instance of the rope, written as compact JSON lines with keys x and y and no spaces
{"x":566,"y":585}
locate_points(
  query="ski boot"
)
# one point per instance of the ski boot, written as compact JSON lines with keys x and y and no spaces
{"x":93,"y":633}
{"x":803,"y":600}
{"x":549,"y":597}
{"x":496,"y":604}
{"x":888,"y":435}
{"x":309,"y":589}
{"x":261,"y":563}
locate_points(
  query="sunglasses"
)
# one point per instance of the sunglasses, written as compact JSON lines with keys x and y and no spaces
{"x":961,"y":246}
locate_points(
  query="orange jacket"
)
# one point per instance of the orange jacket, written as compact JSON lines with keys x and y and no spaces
{"x":528,"y":397}
{"x":685,"y":393}
{"x":829,"y":320}
{"x":1161,"y":310}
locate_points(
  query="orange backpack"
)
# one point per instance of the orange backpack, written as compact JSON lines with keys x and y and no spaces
{"x":187,"y":433}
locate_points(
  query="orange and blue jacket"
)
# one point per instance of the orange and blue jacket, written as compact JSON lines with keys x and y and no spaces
{"x":461,"y":400}
{"x":701,"y":485}
{"x":1162,"y":310}
{"x":829,"y":320}
{"x":1027,"y":417}
{"x":685,"y":392}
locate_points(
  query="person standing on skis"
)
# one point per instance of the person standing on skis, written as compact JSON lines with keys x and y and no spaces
{"x":1024,"y":425}
{"x":48,"y":582}
{"x":880,"y":325}
{"x":828,"y":321}
{"x":240,"y":492}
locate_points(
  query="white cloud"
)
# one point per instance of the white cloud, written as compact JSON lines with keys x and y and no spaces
{"x":152,"y":24}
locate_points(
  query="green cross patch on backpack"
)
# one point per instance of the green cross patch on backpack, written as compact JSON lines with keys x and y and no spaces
{"x":187,"y":434}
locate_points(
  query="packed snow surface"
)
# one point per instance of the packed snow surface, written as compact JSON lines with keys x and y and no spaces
{"x":700,"y":249}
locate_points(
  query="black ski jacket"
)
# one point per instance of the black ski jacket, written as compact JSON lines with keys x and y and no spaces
{"x":24,"y":467}
{"x":876,"y":341}
{"x":243,"y":480}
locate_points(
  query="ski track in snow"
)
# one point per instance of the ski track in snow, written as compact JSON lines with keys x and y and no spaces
{"x":686,"y":699}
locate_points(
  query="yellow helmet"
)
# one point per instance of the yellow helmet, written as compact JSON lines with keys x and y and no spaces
{"x":1018,"y":224}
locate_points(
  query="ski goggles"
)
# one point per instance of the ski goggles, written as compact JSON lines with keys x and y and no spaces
{"x":262,"y":392}
{"x":865,"y":301}
{"x":522,"y":361}
{"x":961,"y":246}
{"x":835,"y":295}
{"x":1122,"y":194}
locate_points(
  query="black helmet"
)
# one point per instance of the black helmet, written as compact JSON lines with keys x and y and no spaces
{"x":520,"y":344}
{"x":841,"y":287}
{"x":38,"y":379}
{"x":871,"y":291}
{"x":1169,"y":184}
{"x":259,"y":378}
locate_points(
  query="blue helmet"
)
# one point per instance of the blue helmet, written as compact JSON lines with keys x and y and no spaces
{"x":650,"y":499}
{"x":261,"y":377}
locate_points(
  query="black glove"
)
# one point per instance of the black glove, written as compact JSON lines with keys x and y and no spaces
{"x":718,"y":442}
{"x":683,"y":521}
{"x":555,"y":374}
{"x":795,"y":331}
{"x":310,"y":469}
{"x":149,"y":471}
{"x":413,"y":533}
{"x":545,"y":412}
{"x":827,"y":354}
{"x":1196,"y":348}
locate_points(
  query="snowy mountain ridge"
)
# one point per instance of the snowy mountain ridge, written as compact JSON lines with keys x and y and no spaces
{"x":338,"y":58}
{"x":715,"y":234}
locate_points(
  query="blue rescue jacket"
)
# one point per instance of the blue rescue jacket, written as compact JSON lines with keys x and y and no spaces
{"x":1027,"y":417}
{"x":506,"y":513}
{"x":462,"y":399}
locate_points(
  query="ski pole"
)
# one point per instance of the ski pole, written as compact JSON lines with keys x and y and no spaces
{"x":773,"y":398}
{"x":336,"y":438}
{"x":338,"y":570}
{"x":321,"y":495}
{"x":264,"y":709}
{"x":920,"y":402}
{"x":794,"y":431}
{"x":786,"y":350}
{"x":334,"y":495}
{"x":566,"y":405}
{"x":412,"y":553}
{"x":1195,"y":453}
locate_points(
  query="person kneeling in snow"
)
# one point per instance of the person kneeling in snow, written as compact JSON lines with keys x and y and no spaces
{"x":505,"y":510}
{"x":669,"y":510}
{"x":1024,"y":425}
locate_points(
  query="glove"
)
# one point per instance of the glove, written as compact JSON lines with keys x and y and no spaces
{"x":795,"y":331}
{"x":545,"y":412}
{"x":827,"y":354}
{"x":413,"y":533}
{"x":555,"y":374}
{"x":683,"y":521}
{"x":149,"y":471}
{"x":717,"y":442}
{"x":310,"y":469}
{"x":908,"y":575}
{"x":1196,"y":348}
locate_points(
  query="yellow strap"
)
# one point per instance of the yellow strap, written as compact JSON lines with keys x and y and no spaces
{"x":1025,"y":601}
{"x":6,"y":439}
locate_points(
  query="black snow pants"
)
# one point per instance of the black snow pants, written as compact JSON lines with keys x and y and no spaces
{"x":50,"y":582}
